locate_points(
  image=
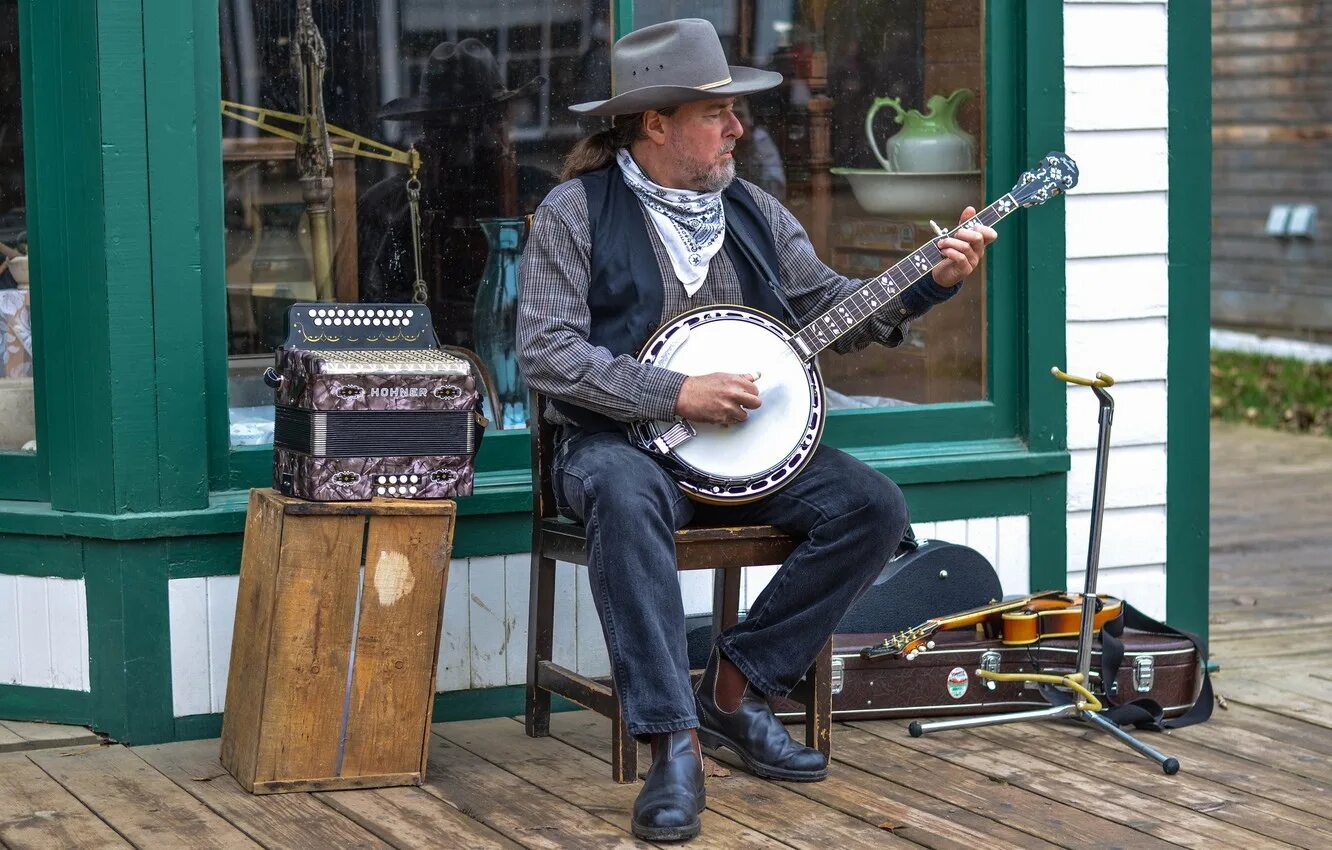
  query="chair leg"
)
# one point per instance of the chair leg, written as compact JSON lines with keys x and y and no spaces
{"x":540,"y":642}
{"x":818,"y":707}
{"x":725,"y":599}
{"x":624,"y":749}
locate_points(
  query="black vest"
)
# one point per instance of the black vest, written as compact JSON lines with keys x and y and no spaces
{"x":626,"y":290}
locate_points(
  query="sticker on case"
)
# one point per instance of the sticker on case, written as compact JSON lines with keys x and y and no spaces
{"x":957,"y":682}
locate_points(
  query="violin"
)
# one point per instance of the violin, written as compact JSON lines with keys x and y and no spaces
{"x":1016,"y":622}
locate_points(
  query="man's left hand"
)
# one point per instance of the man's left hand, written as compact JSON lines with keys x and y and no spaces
{"x":962,"y":251}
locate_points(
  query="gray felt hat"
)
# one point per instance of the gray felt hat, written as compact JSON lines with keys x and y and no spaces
{"x":672,"y":63}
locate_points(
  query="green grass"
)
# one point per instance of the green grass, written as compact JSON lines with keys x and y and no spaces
{"x":1272,"y":392}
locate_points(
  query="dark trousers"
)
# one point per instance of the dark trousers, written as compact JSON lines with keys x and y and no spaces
{"x":849,"y":518}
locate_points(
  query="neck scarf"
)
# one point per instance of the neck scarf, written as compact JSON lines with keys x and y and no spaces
{"x":692,"y":225}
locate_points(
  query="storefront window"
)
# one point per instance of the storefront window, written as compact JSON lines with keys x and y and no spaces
{"x":479,"y":89}
{"x":806,"y":143}
{"x":16,"y":410}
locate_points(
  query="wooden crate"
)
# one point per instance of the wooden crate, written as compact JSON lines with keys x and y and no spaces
{"x":333,"y":658}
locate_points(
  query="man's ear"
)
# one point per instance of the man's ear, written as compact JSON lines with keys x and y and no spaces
{"x":654,"y":126}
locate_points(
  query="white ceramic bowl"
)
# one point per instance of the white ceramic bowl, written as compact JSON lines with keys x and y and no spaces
{"x":18,"y":267}
{"x":916,"y":196}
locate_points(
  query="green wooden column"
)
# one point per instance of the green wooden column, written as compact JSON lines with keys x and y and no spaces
{"x":1189,"y":47}
{"x":115,"y":174}
{"x":119,"y":289}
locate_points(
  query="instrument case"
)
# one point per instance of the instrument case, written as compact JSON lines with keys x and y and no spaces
{"x":943,"y":682}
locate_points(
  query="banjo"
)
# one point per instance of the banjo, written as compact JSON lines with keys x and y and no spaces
{"x":747,"y":461}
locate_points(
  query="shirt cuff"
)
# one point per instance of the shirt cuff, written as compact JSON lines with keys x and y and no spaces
{"x":661,"y":390}
{"x":926,"y":294}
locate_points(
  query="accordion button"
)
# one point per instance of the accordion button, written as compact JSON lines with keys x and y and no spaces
{"x":414,"y":479}
{"x":411,"y":489}
{"x":380,"y":491}
{"x":383,"y":480}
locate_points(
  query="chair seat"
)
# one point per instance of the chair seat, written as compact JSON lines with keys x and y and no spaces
{"x":696,"y":547}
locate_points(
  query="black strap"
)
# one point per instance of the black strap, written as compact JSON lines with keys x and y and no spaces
{"x":740,"y":233}
{"x":1146,"y":713}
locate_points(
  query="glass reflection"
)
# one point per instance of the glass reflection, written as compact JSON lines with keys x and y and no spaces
{"x":478,"y":89}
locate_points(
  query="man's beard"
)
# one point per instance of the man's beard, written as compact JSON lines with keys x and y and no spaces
{"x":708,"y":178}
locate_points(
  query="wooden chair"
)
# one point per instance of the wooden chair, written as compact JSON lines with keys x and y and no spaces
{"x":726,"y":550}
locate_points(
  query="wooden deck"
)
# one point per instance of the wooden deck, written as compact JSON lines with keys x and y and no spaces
{"x":1257,"y":776}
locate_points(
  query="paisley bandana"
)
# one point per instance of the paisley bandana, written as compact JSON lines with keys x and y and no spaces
{"x":692,"y":225}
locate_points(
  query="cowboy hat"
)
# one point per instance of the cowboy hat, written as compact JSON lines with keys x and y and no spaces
{"x":458,"y":75}
{"x":672,"y":63}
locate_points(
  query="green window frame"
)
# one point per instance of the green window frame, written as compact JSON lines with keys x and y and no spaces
{"x":1017,"y":433}
{"x":22,"y":474}
{"x":152,"y":82}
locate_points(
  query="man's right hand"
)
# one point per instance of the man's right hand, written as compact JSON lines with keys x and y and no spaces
{"x":721,"y":398}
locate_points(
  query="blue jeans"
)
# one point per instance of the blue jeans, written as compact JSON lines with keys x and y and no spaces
{"x":849,"y":518}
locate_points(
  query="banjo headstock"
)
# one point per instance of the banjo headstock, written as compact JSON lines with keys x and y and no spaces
{"x":1055,"y":174}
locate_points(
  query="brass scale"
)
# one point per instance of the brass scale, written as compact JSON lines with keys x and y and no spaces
{"x":316,"y":141}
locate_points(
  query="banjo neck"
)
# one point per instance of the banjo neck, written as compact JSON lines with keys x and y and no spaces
{"x":852,"y":311}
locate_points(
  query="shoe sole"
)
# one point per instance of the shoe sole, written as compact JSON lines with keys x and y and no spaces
{"x":673,"y":833}
{"x":713,"y":742}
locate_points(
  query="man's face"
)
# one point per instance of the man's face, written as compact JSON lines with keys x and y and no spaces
{"x":700,"y":138}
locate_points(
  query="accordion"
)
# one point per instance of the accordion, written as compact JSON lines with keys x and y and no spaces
{"x":368,"y":405}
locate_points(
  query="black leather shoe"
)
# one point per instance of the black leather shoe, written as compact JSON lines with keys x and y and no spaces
{"x":754,"y":734}
{"x":668,"y":807}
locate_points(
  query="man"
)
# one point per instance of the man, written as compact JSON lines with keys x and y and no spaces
{"x":658,"y":188}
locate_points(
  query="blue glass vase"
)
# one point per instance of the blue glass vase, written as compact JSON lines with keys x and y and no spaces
{"x":496,"y":318}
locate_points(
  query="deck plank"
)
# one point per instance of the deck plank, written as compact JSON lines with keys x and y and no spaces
{"x":36,"y":813}
{"x":10,"y":740}
{"x":1122,"y":767}
{"x":137,"y":801}
{"x":764,"y":807}
{"x":284,"y":820}
{"x":923,"y":820}
{"x":518,"y":809}
{"x":582,"y":780}
{"x":1260,"y":780}
{"x":409,"y":818}
{"x":18,"y":735}
{"x":868,"y":747}
{"x":1287,"y":731}
{"x":1258,"y":746}
{"x":1273,"y":697}
{"x":1089,"y":793}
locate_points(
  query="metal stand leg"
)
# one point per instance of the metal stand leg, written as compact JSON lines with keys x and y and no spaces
{"x":1168,"y":764}
{"x":1085,"y":705}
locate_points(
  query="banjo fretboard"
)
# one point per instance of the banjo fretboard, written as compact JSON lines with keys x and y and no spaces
{"x":877,"y":293}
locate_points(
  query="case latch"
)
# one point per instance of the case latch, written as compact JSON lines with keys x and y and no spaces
{"x":989,"y":660}
{"x":1144,"y":673}
{"x":836,"y":676}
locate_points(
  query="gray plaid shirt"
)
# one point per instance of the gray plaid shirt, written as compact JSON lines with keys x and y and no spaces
{"x":554,"y":321}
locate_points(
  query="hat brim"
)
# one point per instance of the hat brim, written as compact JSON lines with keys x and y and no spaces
{"x":743,"y":81}
{"x":406,"y":108}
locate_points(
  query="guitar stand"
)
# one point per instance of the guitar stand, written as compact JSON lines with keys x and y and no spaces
{"x":1084,"y":705}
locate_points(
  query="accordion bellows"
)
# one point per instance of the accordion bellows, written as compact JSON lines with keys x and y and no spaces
{"x":367,"y":405}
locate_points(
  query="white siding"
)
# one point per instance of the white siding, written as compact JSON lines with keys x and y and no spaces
{"x":1117,"y":302}
{"x":202,"y":612}
{"x":484,"y":642}
{"x":43,"y":632}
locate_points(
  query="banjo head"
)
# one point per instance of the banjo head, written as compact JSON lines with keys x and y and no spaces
{"x":748,"y":460}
